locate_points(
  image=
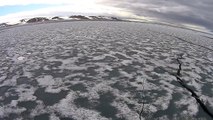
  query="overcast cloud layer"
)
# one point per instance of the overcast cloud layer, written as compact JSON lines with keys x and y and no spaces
{"x":195,"y":12}
{"x":189,"y":12}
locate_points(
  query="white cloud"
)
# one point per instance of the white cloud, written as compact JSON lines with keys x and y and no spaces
{"x":85,"y":9}
{"x":49,"y":2}
{"x":66,"y":7}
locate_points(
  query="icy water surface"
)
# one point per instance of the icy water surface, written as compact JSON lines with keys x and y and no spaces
{"x":103,"y":71}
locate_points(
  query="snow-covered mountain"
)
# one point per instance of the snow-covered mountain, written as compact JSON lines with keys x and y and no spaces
{"x":37,"y":19}
{"x":57,"y":18}
{"x":60,"y":18}
{"x":3,"y":25}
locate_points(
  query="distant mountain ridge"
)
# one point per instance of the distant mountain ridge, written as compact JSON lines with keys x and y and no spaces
{"x":58,"y":18}
{"x":3,"y":25}
{"x":37,"y":19}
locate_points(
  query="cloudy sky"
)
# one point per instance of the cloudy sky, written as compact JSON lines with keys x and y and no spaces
{"x":196,"y":13}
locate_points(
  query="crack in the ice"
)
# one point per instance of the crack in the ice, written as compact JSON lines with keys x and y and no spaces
{"x":194,"y":95}
{"x":183,"y":40}
{"x":192,"y":43}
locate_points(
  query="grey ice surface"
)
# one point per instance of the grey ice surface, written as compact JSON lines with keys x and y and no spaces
{"x":103,"y":71}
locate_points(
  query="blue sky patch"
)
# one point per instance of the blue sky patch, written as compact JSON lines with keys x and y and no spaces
{"x":4,"y":10}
